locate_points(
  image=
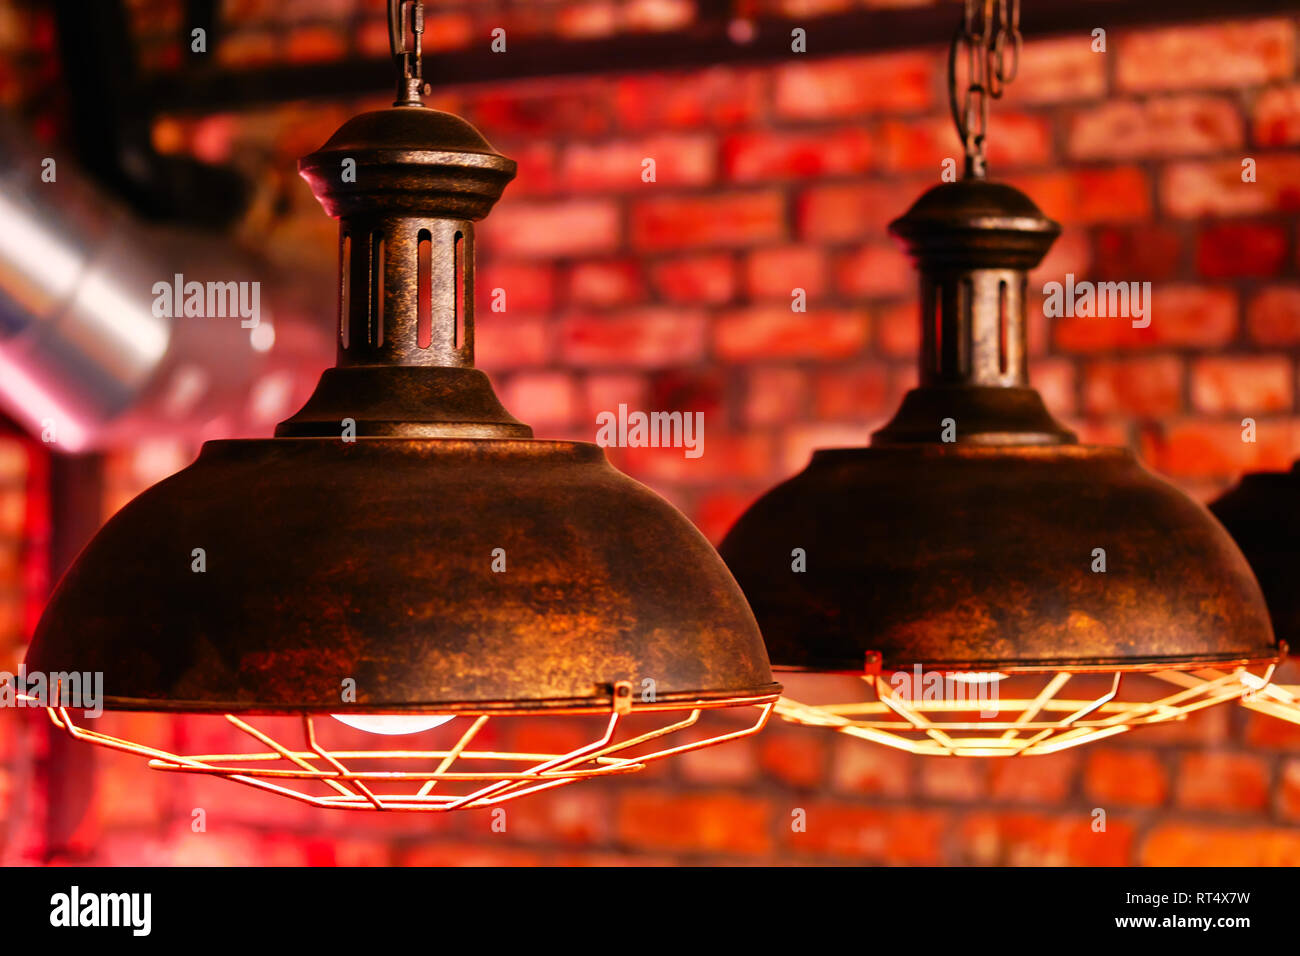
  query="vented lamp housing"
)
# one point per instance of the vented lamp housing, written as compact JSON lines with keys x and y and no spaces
{"x":977,"y":545}
{"x":404,"y":533}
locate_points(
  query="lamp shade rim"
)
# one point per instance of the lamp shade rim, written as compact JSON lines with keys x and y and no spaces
{"x":594,"y":704}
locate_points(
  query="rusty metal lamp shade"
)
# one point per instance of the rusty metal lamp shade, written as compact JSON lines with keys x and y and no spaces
{"x":962,"y":544}
{"x":403,"y":532}
{"x":1262,"y":513}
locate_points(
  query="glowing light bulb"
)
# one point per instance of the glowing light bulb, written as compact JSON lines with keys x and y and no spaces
{"x":978,"y":677}
{"x":393,"y":724}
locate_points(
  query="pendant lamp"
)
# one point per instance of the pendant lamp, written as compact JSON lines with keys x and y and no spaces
{"x":999,"y":588}
{"x":1262,"y":513}
{"x":403,"y":554}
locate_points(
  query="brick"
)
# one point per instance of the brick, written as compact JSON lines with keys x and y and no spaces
{"x":874,"y":269}
{"x":608,"y":282}
{"x":1032,"y":839}
{"x":964,"y":781}
{"x":695,"y":823}
{"x":550,"y":736}
{"x":1223,"y":55}
{"x":645,"y":338}
{"x":858,"y":767}
{"x":245,"y":49}
{"x":1045,"y":779}
{"x":1288,"y":797}
{"x":736,"y":219}
{"x":1140,"y":386}
{"x":447,"y":31}
{"x":774,"y":395}
{"x":755,"y":156}
{"x":1273,"y":316}
{"x":774,"y":273}
{"x":1103,"y":194}
{"x":776,"y":332}
{"x":370,"y":37}
{"x":1181,"y":315}
{"x":514,"y":342}
{"x":698,"y":280}
{"x":725,"y":458}
{"x":1055,"y":380}
{"x":1233,"y":249}
{"x":1176,"y":843}
{"x":1070,"y":252}
{"x":1201,"y":449}
{"x":1266,"y":732}
{"x":541,"y":398}
{"x":850,"y":394}
{"x":605,"y":391}
{"x":898,"y":330}
{"x":843,"y":87}
{"x":1152,"y":251}
{"x":800,"y":442}
{"x":679,"y":160}
{"x":542,"y":108}
{"x":1128,"y":129}
{"x":538,"y":163}
{"x":1243,"y":384}
{"x":1057,"y":70}
{"x":1125,"y":777}
{"x":446,"y":853}
{"x":1223,"y":782}
{"x":658,"y":15}
{"x":871,"y":834}
{"x":529,"y":287}
{"x":1190,"y":190}
{"x":721,"y":97}
{"x":586,"y":21}
{"x":314,"y":45}
{"x":1275,"y":116}
{"x":798,"y":758}
{"x":853,"y":211}
{"x":736,"y":764}
{"x":551,"y":229}
{"x":1015,"y":140}
{"x":690,"y":390}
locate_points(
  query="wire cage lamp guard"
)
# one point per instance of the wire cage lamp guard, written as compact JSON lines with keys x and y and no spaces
{"x":430,"y":780}
{"x":1043,"y":722}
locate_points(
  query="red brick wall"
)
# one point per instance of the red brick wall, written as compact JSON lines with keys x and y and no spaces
{"x":675,"y":295}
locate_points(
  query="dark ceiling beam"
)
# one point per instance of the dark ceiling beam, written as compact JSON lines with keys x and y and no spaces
{"x":705,"y":43}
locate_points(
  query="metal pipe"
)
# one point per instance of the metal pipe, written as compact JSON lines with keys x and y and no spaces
{"x":91,"y":350}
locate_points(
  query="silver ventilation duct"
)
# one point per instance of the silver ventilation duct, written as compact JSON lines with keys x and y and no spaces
{"x":88,"y":354}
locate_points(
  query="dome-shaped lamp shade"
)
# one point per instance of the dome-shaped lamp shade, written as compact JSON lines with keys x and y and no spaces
{"x":403,"y":554}
{"x":999,"y":587}
{"x":1262,"y":513}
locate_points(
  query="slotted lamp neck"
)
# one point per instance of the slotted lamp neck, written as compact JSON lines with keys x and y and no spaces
{"x":407,"y":185}
{"x":973,"y":243}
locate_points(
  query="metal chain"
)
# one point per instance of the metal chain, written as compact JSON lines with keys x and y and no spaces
{"x":405,"y":29}
{"x":989,"y":36}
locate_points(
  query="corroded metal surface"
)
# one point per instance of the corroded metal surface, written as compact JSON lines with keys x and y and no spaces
{"x":967,"y":537}
{"x":975,"y":558}
{"x":1262,"y":513}
{"x":375,"y":561}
